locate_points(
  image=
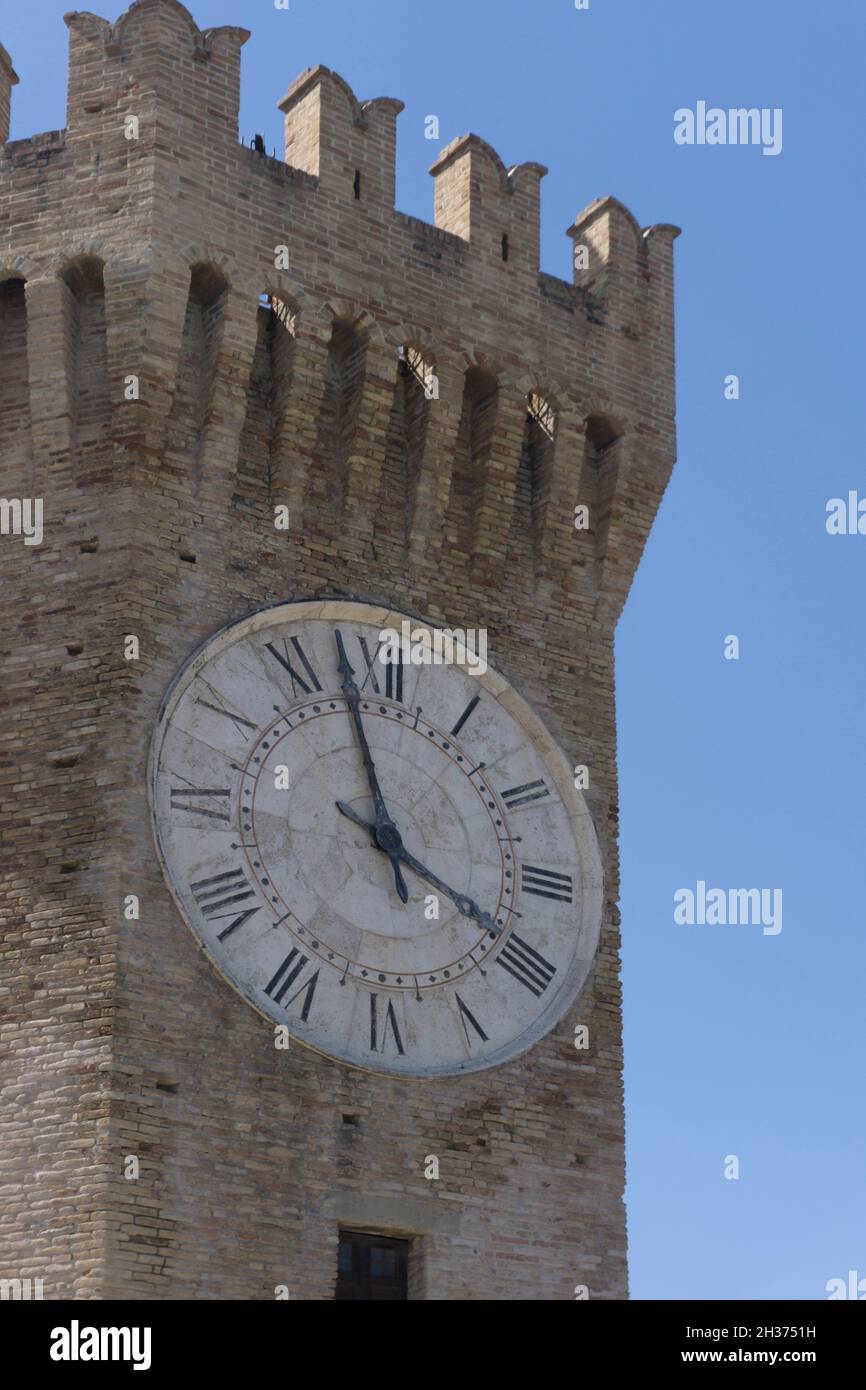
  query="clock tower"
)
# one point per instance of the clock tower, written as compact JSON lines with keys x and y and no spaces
{"x":310,"y":961}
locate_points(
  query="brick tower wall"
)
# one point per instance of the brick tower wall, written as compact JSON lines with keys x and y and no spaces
{"x":146,"y":258}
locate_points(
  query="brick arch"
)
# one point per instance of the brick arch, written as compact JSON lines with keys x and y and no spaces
{"x":278,"y":284}
{"x":83,"y":261}
{"x":348,"y":311}
{"x":206,"y":253}
{"x":82,"y":248}
{"x":601,"y":407}
{"x":221,"y":282}
{"x":19,"y":268}
{"x":553,"y":389}
{"x":414,"y":335}
{"x":468,"y":357}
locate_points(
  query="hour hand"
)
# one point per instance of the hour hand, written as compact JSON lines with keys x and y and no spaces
{"x":346,"y":810}
{"x":375,"y":836}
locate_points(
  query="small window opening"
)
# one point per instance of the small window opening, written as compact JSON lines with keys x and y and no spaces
{"x":542,"y":412}
{"x":357,"y":184}
{"x":505,"y":247}
{"x":422,"y":370}
{"x":285,"y":313}
{"x":371,"y":1267}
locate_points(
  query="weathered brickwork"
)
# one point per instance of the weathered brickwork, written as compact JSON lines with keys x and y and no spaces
{"x":147,"y":257}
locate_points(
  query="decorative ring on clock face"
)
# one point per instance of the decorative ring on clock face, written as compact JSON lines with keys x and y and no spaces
{"x":389,"y":859}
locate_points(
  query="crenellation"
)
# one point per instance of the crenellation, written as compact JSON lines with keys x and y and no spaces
{"x":349,"y":147}
{"x":154,"y":53}
{"x":8,"y":80}
{"x":496,"y":210}
{"x":659,"y":241}
{"x":627,"y":277}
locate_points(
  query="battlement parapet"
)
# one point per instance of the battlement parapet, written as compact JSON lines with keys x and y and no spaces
{"x":156,"y":65}
{"x":285,"y":312}
{"x":34,"y":149}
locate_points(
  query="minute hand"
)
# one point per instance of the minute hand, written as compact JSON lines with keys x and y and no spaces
{"x":353,"y":700}
{"x":385,"y":832}
{"x":465,"y":905}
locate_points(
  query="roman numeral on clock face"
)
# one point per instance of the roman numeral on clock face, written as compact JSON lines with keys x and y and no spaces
{"x":204,"y":801}
{"x":465,"y":715}
{"x":394,"y":679}
{"x":380,"y":1021}
{"x":526,"y":965}
{"x":521,"y":796}
{"x":213,"y":895}
{"x":370,"y":662}
{"x":285,"y":976}
{"x":240,"y":721}
{"x":310,"y":681}
{"x":544,"y":883}
{"x":469,"y":1021}
{"x":239,"y":921}
{"x":393,"y":671}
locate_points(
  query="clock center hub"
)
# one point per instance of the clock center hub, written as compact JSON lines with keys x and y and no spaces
{"x":389,"y":839}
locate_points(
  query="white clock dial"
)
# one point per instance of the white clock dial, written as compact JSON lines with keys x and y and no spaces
{"x":301,"y":790}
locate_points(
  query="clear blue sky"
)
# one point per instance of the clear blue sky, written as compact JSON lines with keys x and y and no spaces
{"x":743,"y":774}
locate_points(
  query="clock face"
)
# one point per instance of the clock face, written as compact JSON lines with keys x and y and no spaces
{"x":389,"y":859}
